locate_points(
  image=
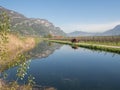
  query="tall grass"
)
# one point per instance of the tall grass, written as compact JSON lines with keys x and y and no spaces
{"x":12,"y":53}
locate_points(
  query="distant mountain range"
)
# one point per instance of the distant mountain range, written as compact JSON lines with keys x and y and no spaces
{"x":31,"y":26}
{"x":112,"y":32}
{"x":42,"y":27}
{"x":79,"y":33}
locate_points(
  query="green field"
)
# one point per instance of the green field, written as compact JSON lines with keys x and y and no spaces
{"x":92,"y":45}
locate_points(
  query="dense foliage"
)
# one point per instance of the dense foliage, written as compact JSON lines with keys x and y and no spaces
{"x":4,"y":29}
{"x":19,"y":60}
{"x":4,"y":24}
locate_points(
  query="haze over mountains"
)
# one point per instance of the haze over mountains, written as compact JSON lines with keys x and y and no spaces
{"x":112,"y":32}
{"x":41,"y":27}
{"x":31,"y":26}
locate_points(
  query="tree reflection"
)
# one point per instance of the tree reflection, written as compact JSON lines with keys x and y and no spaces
{"x":22,"y":63}
{"x":74,"y":46}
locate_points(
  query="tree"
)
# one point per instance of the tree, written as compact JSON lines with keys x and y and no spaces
{"x":48,"y":36}
{"x":4,"y":29}
{"x":4,"y":25}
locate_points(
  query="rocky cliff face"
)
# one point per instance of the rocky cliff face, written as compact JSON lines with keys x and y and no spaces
{"x":31,"y":26}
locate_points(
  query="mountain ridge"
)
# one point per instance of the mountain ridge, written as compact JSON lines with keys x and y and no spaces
{"x":31,"y":26}
{"x":112,"y":32}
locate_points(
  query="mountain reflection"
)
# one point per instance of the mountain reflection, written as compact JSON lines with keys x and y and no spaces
{"x":44,"y":49}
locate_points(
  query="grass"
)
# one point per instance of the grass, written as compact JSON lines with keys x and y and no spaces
{"x":16,"y":46}
{"x":14,"y":86}
{"x":103,"y":43}
{"x":37,"y":40}
{"x":15,"y":55}
{"x":114,"y":49}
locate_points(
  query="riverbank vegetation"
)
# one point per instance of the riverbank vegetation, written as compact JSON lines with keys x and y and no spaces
{"x":92,"y":45}
{"x":13,"y":50}
{"x":103,"y":40}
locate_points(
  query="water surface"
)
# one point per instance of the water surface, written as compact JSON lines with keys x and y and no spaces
{"x":74,"y":69}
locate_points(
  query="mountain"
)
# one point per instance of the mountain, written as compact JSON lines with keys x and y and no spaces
{"x":31,"y":26}
{"x":79,"y":33}
{"x":112,"y":32}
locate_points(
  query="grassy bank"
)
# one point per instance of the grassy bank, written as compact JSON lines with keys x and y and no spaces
{"x":13,"y":50}
{"x":17,"y":50}
{"x":16,"y":46}
{"x":13,"y":86}
{"x":15,"y":55}
{"x":20,"y":43}
{"x":103,"y":43}
{"x":102,"y":40}
{"x":109,"y":48}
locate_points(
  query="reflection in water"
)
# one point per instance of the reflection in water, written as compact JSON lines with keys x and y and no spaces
{"x":74,"y":46}
{"x":67,"y":69}
{"x":113,"y":55}
{"x":21,"y":66}
{"x":22,"y":69}
{"x":100,"y":51}
{"x":44,"y":49}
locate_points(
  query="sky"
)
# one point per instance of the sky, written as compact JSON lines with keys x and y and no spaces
{"x":71,"y":15}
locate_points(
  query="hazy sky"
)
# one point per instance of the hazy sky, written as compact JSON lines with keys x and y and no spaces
{"x":71,"y":15}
